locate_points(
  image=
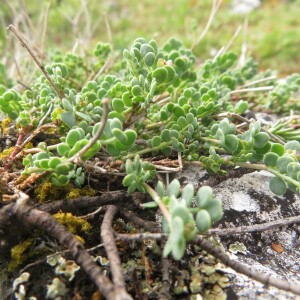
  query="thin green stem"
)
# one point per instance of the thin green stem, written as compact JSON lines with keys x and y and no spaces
{"x":206,"y":139}
{"x":160,"y":204}
{"x":285,"y":178}
{"x":272,"y":171}
{"x":147,"y":150}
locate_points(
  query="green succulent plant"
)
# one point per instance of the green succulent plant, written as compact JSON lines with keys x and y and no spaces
{"x":159,"y":103}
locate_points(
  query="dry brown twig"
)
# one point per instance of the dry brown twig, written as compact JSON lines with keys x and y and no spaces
{"x":25,"y":44}
{"x":33,"y":217}
{"x":108,"y":239}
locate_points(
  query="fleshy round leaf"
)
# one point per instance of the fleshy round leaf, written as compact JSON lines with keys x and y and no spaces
{"x":44,"y":163}
{"x":68,"y":118}
{"x":283,"y":162}
{"x":54,"y":161}
{"x":91,"y":151}
{"x":278,"y":149}
{"x":182,"y":212}
{"x":204,"y":196}
{"x":173,"y":188}
{"x":203,"y":221}
{"x":292,"y":145}
{"x":160,"y":189}
{"x":263,"y":150}
{"x":293,"y":169}
{"x":241,"y":107}
{"x":270,"y":159}
{"x":149,"y":59}
{"x":131,"y":137}
{"x":277,"y":186}
{"x":156,"y":141}
{"x":73,"y":136}
{"x":160,"y":74}
{"x":62,"y":168}
{"x":214,"y":208}
{"x":178,"y":111}
{"x":145,"y":48}
{"x":261,"y":139}
{"x":118,"y":105}
{"x":63,"y":149}
{"x":115,"y":123}
{"x":129,"y":166}
{"x":67,"y":105}
{"x":231,"y":143}
{"x":136,"y":90}
{"x":128,"y":179}
{"x":165,"y":135}
{"x":182,"y":122}
{"x":188,"y":194}
{"x":224,"y":126}
{"x":171,"y":73}
{"x":120,"y":135}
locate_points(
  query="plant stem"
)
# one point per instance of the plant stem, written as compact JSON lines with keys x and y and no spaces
{"x":215,"y":6}
{"x":206,"y":139}
{"x":252,"y":166}
{"x":259,"y":81}
{"x":147,"y":150}
{"x":285,"y":178}
{"x":255,"y":89}
{"x":265,"y":168}
{"x":160,"y":204}
{"x":25,"y":44}
{"x":77,"y":157}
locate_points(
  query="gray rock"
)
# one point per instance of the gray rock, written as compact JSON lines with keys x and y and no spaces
{"x":247,"y":201}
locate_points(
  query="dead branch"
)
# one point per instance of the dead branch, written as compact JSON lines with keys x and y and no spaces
{"x":77,"y":204}
{"x":108,"y":239}
{"x":131,"y":217}
{"x":34,"y":217}
{"x":25,"y":44}
{"x":129,"y":237}
{"x":255,"y":227}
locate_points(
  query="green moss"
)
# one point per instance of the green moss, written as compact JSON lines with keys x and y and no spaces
{"x":6,"y":153}
{"x":76,"y":192}
{"x":18,"y":254}
{"x":73,"y":223}
{"x":48,"y":190}
{"x":5,"y":125}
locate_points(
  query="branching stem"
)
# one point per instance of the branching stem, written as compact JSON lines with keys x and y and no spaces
{"x":77,"y":157}
{"x":25,"y":44}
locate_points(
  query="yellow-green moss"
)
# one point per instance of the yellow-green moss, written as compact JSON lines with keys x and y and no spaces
{"x":28,"y":146}
{"x":48,"y":191}
{"x":5,"y":125}
{"x":18,"y":255}
{"x":6,"y":153}
{"x":73,"y":223}
{"x":76,"y":192}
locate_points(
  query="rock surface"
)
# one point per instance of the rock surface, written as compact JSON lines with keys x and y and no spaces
{"x":247,"y":201}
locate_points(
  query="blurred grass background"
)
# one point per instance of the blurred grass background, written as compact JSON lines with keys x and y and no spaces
{"x":272,"y":36}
